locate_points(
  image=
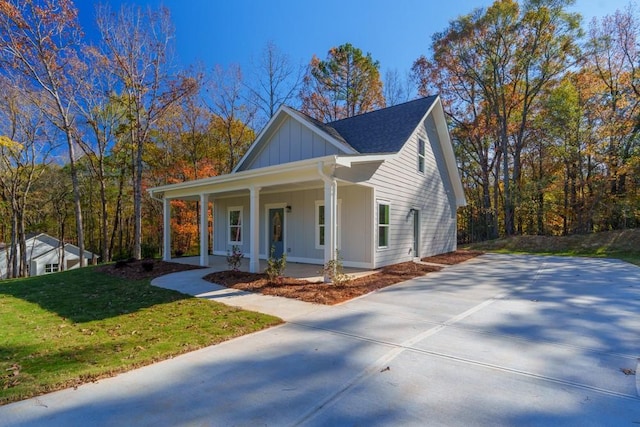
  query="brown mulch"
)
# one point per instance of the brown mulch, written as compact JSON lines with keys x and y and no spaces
{"x":321,"y":293}
{"x":327,"y":293}
{"x":143,"y":269}
{"x":451,"y":258}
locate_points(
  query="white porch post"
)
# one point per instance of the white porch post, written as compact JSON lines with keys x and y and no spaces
{"x":254,"y":219}
{"x":331,"y":221}
{"x":204,"y":230}
{"x":166,"y":229}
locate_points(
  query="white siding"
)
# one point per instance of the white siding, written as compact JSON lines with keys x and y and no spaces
{"x":401,"y":184}
{"x":291,"y":142}
{"x":356,"y":224}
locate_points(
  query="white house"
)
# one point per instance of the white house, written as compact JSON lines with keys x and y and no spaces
{"x":45,"y":254}
{"x":381,"y":188}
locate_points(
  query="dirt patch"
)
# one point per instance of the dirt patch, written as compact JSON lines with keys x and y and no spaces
{"x":451,"y":258}
{"x":143,"y":269}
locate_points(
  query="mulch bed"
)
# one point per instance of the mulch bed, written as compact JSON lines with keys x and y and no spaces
{"x":318,"y":292}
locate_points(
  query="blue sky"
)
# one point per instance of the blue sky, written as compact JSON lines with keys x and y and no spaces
{"x":395,"y":32}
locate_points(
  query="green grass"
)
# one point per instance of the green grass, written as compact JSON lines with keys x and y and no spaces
{"x":621,"y":244}
{"x":64,"y":329}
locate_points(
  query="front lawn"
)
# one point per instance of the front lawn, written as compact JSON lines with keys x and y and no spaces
{"x":68,"y":328}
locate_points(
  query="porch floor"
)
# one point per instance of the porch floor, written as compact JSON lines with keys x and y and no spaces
{"x":311,"y":272}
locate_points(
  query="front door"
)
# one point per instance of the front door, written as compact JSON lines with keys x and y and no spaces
{"x":276,"y":231}
{"x":416,"y":233}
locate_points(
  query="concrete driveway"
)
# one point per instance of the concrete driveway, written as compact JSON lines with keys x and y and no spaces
{"x":498,"y":340}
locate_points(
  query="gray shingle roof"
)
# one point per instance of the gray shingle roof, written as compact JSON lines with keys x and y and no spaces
{"x":381,"y":131}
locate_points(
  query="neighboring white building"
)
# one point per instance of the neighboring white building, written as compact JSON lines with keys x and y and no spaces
{"x":45,"y":254}
{"x":381,"y":188}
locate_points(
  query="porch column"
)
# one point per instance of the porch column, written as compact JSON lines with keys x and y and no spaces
{"x":166,"y":229}
{"x":204,"y":230}
{"x":254,"y":220}
{"x":331,"y":220}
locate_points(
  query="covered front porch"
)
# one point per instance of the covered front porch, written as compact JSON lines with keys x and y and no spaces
{"x":243,"y":204}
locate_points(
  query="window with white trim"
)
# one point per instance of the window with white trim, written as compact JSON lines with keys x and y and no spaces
{"x":383,"y":225}
{"x":320,"y":224}
{"x":51,"y":268}
{"x":235,"y":225}
{"x":421,"y":154}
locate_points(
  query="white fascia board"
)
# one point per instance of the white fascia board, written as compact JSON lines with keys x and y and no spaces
{"x":243,"y":179}
{"x":449,"y":156}
{"x":348,"y":161}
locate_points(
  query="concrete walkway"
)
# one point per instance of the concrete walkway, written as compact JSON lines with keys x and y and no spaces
{"x":191,"y":282}
{"x":499,"y":340}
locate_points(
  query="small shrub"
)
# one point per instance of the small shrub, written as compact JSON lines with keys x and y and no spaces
{"x":275,"y":266}
{"x":147,"y":265}
{"x":234,"y":258}
{"x":178,"y":253}
{"x":334,"y":270}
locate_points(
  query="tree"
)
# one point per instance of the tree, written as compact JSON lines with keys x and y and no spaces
{"x":507,"y":56}
{"x":230,"y":127}
{"x":24,"y":152}
{"x":397,"y":89}
{"x":39,"y":41}
{"x":136,"y":46}
{"x":347,"y":83}
{"x":613,"y":57}
{"x":275,"y":82}
{"x":103,"y":116}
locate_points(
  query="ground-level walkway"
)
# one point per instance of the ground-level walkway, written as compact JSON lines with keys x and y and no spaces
{"x":499,"y":340}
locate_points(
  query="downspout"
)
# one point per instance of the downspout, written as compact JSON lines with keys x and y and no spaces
{"x":330,"y":212}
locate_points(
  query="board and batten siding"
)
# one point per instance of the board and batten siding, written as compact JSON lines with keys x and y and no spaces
{"x":291,"y":142}
{"x":399,"y":183}
{"x":356,"y":222}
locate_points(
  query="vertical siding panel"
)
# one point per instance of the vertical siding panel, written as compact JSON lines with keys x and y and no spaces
{"x":291,"y":142}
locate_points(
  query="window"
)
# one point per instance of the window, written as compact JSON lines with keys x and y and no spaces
{"x":383,"y":225}
{"x":320,"y":226}
{"x":321,"y":221}
{"x":51,"y":268}
{"x":421,"y":156}
{"x":235,"y":226}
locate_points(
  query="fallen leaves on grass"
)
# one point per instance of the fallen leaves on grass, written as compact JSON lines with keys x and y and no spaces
{"x":143,"y":269}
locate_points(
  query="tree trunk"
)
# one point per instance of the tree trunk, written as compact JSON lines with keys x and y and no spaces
{"x":137,"y":204}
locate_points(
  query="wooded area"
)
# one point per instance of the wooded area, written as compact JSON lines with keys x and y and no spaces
{"x":544,"y":115}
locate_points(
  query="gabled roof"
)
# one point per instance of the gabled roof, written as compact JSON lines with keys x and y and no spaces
{"x":371,"y":137}
{"x":40,"y":244}
{"x":319,"y":128}
{"x":385,"y":130}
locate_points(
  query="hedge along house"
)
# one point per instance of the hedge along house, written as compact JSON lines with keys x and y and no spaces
{"x":378,"y":188}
